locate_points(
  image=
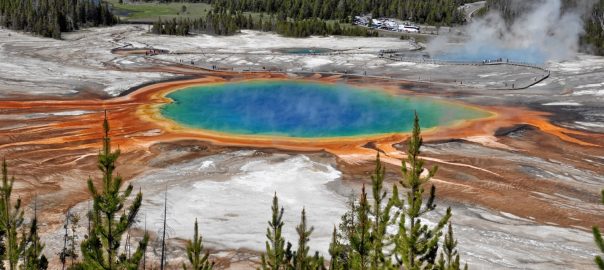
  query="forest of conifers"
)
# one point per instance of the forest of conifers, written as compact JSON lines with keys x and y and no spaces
{"x":301,"y":18}
{"x":49,"y":18}
{"x":223,"y":23}
{"x":593,"y":10}
{"x":297,"y":18}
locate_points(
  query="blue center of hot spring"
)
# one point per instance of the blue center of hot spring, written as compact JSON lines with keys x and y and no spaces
{"x":306,"y":109}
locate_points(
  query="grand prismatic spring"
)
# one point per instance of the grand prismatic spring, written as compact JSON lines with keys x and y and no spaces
{"x":307,"y":109}
{"x":220,"y":124}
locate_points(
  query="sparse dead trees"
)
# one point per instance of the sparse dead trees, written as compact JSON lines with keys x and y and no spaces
{"x":33,"y":259}
{"x":164,"y":228}
{"x":74,"y":220}
{"x":69,"y":251}
{"x":64,"y":253}
{"x":111,"y":217}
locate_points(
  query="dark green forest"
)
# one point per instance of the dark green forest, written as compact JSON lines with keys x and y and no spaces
{"x":49,"y":18}
{"x":441,"y":12}
{"x":302,"y":18}
{"x":593,"y":38}
{"x":594,"y":30}
{"x":224,"y":23}
{"x":438,"y":12}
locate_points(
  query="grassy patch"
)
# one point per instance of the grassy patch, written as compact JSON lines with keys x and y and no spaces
{"x":152,"y":11}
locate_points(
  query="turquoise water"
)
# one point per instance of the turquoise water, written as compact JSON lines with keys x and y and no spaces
{"x":305,"y":50}
{"x":306,"y":109}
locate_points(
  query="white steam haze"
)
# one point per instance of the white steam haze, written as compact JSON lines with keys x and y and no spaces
{"x":542,"y":32}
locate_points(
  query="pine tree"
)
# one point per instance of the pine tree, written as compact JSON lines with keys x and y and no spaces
{"x":416,"y":244}
{"x":381,"y":217}
{"x":301,"y":260}
{"x":100,"y":250}
{"x":65,"y":252}
{"x":341,"y":241}
{"x":11,"y":219}
{"x":162,"y":259}
{"x":336,"y":251}
{"x":599,"y":242}
{"x":33,"y":259}
{"x":359,"y":237}
{"x":74,"y":219}
{"x":194,"y":253}
{"x":275,"y":256}
{"x":449,"y":257}
{"x":301,"y":254}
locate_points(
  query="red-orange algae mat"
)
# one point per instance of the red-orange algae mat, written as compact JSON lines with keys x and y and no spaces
{"x":60,"y":141}
{"x":136,"y":122}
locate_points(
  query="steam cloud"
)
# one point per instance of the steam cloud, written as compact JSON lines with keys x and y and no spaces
{"x":544,"y":32}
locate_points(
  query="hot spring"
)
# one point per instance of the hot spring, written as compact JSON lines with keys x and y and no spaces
{"x":305,"y":50}
{"x":307,"y":109}
{"x":479,"y":54}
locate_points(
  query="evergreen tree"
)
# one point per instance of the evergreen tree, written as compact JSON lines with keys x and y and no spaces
{"x":381,"y":217}
{"x":100,"y":250}
{"x":194,"y":253}
{"x":301,"y":260}
{"x":599,"y":242}
{"x":416,"y":244}
{"x":336,"y":252}
{"x":449,"y":257}
{"x":359,"y":237}
{"x":33,"y":259}
{"x":65,"y":252}
{"x":11,"y":219}
{"x":592,"y":39}
{"x":365,"y":243}
{"x":276,"y":255}
{"x":49,"y":18}
{"x":445,"y":12}
{"x":162,"y":258}
{"x":74,"y":220}
{"x":341,"y":242}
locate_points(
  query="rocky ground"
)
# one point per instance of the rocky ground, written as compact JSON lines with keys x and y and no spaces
{"x":522,"y":198}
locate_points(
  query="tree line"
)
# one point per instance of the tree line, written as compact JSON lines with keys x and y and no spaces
{"x":363,"y":240}
{"x":594,"y":29}
{"x":442,"y":12}
{"x":49,"y":18}
{"x":592,"y":40}
{"x":227,"y":23}
{"x":435,"y":12}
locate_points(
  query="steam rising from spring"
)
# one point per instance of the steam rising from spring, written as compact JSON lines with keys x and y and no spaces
{"x":543,"y":32}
